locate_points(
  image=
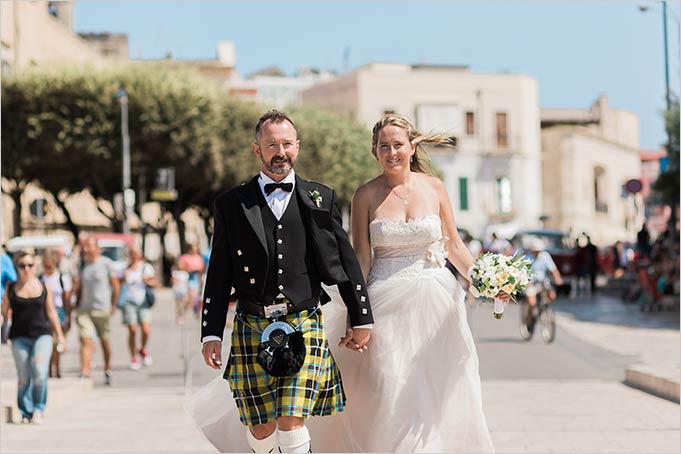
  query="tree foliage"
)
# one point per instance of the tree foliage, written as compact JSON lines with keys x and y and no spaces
{"x":61,"y":128}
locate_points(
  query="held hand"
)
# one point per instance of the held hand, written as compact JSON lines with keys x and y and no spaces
{"x":360,"y":339}
{"x":211,"y":352}
{"x":503,"y":296}
{"x":346,"y":341}
{"x":61,"y":344}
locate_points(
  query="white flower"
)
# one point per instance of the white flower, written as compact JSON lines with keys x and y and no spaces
{"x":508,"y":288}
{"x":474,"y":291}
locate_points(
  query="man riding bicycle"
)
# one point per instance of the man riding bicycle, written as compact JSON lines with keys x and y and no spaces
{"x":542,"y":265}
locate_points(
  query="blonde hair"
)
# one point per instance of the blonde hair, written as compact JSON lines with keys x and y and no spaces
{"x":420,"y":162}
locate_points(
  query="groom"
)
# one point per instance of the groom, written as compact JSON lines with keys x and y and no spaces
{"x":277,"y":239}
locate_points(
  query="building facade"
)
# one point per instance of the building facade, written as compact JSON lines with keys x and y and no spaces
{"x":493,"y":176}
{"x":588,"y":155}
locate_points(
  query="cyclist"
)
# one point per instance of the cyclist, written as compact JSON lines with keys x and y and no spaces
{"x":542,"y":265}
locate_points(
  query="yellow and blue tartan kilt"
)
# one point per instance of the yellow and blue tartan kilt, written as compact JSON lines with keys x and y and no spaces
{"x":316,"y":390}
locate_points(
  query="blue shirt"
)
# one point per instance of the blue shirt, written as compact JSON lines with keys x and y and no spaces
{"x":542,"y":265}
{"x":9,"y":274}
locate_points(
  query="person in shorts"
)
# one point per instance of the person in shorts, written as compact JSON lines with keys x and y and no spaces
{"x":97,"y":296}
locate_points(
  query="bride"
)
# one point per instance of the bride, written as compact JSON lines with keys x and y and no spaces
{"x":416,"y":388}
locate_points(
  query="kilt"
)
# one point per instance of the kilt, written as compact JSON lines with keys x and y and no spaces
{"x":316,"y":390}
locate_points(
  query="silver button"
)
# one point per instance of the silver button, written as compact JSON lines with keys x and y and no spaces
{"x":280,"y":256}
{"x":246,"y":269}
{"x":359,"y":287}
{"x":205,"y":311}
{"x":204,"y":323}
{"x":364,"y":311}
{"x":362,"y":298}
{"x":281,"y":287}
{"x":207,"y":300}
{"x":252,"y":281}
{"x":238,"y":252}
{"x":280,"y":226}
{"x":281,"y":271}
{"x":280,"y":241}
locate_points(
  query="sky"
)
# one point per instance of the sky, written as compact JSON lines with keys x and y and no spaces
{"x":576,"y":50}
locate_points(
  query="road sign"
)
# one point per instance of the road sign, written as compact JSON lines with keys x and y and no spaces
{"x":162,"y":195}
{"x":633,"y":186}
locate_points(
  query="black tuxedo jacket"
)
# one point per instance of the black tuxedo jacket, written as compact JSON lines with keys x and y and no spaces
{"x":239,"y":238}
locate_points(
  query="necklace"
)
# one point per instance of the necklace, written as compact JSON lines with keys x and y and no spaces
{"x":405,"y":199}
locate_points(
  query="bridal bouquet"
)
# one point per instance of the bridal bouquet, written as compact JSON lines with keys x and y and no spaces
{"x":493,"y":273}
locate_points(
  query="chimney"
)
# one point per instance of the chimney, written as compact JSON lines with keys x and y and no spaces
{"x":227,"y":53}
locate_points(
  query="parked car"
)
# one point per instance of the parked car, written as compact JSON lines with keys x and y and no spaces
{"x":115,"y":247}
{"x":557,"y":244}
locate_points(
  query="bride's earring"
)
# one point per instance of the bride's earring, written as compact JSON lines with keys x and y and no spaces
{"x":411,"y":158}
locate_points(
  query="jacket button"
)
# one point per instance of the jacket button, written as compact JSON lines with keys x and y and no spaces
{"x":281,"y":271}
{"x":252,"y":281}
{"x":246,"y":269}
{"x":280,"y":256}
{"x":280,"y":241}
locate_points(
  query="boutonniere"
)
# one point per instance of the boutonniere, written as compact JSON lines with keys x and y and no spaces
{"x":316,"y":197}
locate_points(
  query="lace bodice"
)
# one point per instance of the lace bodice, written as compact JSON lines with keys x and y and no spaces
{"x":406,"y":249}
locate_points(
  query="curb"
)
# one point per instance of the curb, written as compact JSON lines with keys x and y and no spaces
{"x":646,"y":378}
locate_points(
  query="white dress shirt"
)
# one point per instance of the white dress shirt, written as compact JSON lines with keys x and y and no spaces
{"x":278,"y":199}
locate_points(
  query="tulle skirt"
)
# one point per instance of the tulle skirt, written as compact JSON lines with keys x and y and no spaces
{"x":416,"y":388}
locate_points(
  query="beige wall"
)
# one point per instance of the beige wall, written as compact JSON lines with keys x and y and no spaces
{"x":571,"y":156}
{"x":31,"y":36}
{"x":369,"y":91}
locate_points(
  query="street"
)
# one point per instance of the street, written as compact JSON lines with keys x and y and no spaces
{"x":564,"y":397}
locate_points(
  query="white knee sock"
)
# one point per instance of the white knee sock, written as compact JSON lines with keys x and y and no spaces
{"x":294,"y":441}
{"x":266,"y":445}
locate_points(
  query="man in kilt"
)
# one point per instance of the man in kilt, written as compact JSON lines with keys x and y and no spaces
{"x":277,"y":239}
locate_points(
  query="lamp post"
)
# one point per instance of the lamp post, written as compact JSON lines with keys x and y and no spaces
{"x":128,"y":193}
{"x":644,"y":8}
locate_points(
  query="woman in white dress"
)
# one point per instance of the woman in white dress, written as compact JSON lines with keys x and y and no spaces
{"x":417,"y":387}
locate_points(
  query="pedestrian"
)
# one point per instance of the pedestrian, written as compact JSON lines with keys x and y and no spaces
{"x":499,"y":245}
{"x":643,"y":246}
{"x":192,"y":262}
{"x":34,"y":319}
{"x":136,"y":281}
{"x":61,"y":286}
{"x":277,"y":238}
{"x":581,"y":267}
{"x":9,"y":274}
{"x":97,"y":296}
{"x":592,"y":261}
{"x":180,"y":279}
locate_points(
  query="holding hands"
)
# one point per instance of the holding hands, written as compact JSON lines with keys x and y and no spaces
{"x":356,"y":339}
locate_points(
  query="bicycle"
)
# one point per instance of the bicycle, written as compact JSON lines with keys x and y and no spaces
{"x":543,"y":313}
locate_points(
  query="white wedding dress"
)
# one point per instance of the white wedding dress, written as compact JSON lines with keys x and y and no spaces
{"x":417,"y":387}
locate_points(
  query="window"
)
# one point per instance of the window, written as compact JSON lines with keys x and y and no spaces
{"x":502,"y":130}
{"x":470,"y":124}
{"x":600,"y":204}
{"x":504,"y":200}
{"x":463,"y":194}
{"x":441,"y":118}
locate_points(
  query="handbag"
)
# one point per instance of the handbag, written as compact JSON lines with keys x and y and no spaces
{"x":149,"y":295}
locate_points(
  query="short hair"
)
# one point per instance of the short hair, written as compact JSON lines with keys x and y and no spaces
{"x":274,"y":116}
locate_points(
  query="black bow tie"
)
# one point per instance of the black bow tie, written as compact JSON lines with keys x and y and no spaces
{"x":270,"y":187}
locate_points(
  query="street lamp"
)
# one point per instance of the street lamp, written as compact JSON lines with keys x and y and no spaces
{"x":645,"y":8}
{"x":128,"y":193}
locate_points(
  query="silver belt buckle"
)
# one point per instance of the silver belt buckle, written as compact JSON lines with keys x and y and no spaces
{"x":275,"y":310}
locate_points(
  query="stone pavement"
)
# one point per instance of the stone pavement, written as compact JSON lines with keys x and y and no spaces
{"x":651,"y":340}
{"x":142,"y":411}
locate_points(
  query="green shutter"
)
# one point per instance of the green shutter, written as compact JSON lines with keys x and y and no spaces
{"x":463,"y":194}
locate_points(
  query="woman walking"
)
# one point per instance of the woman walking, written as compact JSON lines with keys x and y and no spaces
{"x":34,"y":318}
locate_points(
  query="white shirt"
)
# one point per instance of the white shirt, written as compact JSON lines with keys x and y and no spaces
{"x":278,"y":199}
{"x":52,"y":282}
